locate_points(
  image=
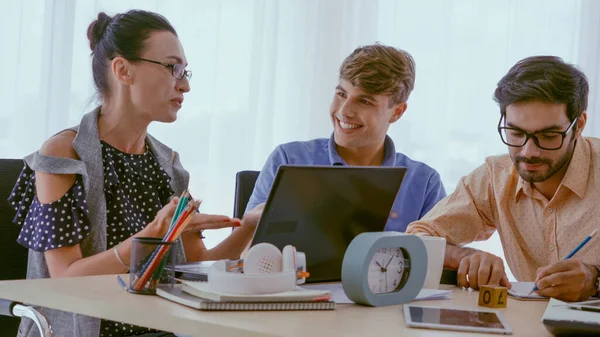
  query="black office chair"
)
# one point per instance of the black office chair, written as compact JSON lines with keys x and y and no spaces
{"x":244,"y":185}
{"x":13,"y":256}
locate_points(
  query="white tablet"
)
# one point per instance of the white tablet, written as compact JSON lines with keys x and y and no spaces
{"x":455,"y":319}
{"x":593,"y":305}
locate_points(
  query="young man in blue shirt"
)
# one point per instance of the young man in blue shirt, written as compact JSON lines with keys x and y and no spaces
{"x":374,"y":84}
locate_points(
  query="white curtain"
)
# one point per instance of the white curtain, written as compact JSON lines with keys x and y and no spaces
{"x":265,"y":71}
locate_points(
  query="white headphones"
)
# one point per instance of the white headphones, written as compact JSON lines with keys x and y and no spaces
{"x":264,"y":270}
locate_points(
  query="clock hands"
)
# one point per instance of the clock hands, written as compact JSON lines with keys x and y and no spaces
{"x":389,"y":262}
{"x":386,"y":282}
{"x":384,"y":269}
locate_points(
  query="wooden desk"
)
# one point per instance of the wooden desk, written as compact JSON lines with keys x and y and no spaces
{"x":100,"y":296}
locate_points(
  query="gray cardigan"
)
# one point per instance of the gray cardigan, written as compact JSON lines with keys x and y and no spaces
{"x":88,"y":148}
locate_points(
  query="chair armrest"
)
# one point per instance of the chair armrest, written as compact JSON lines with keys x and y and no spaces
{"x":6,"y":307}
{"x":11,"y":308}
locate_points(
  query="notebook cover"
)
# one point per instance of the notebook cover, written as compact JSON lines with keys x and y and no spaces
{"x":175,"y":294}
{"x":561,"y":320}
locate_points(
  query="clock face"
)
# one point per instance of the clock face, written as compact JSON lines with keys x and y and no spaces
{"x":387,"y":270}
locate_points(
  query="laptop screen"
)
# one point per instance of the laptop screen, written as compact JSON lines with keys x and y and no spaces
{"x":320,"y":209}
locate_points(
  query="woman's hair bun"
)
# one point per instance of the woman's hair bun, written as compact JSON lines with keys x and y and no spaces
{"x":97,"y":29}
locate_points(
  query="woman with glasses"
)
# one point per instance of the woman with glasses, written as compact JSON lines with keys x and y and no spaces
{"x":91,"y":188}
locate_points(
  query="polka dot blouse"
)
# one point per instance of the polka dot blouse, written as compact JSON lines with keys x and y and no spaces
{"x":135,"y":188}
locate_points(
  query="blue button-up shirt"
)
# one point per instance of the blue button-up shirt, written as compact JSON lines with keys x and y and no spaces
{"x":421,"y":188}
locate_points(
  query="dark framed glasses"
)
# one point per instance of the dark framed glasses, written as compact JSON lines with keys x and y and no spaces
{"x":177,"y":70}
{"x":546,"y":140}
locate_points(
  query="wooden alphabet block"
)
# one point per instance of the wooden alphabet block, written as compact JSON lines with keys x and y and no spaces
{"x":493,"y":296}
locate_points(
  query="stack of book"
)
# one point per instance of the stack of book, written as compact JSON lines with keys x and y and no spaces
{"x":199,"y":295}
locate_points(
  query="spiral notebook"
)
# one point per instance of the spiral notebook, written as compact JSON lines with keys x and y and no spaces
{"x":175,"y":294}
{"x":520,"y":291}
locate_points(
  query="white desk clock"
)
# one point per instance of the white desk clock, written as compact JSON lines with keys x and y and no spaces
{"x":384,"y":268}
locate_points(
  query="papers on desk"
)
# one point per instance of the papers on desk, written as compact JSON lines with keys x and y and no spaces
{"x":559,"y":318}
{"x":339,"y":297}
{"x":197,"y":267}
{"x":204,"y":290}
{"x":520,"y":291}
{"x":433,"y":295}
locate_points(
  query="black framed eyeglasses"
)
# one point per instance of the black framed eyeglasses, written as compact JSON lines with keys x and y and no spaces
{"x":177,"y":70}
{"x":546,"y":140}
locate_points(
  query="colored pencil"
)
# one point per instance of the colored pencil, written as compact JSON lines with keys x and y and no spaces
{"x":573,"y":252}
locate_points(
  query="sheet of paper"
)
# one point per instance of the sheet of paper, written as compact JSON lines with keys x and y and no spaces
{"x":521,"y":290}
{"x":433,"y":294}
{"x":204,"y":290}
{"x":197,"y":267}
{"x":338,"y":295}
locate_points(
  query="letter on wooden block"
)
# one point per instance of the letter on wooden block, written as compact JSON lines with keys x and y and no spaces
{"x":493,"y":296}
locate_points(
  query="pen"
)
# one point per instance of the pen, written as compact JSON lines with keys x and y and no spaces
{"x":121,"y":283}
{"x":571,"y":254}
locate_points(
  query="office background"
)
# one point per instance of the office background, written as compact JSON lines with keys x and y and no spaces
{"x":264,"y":73}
